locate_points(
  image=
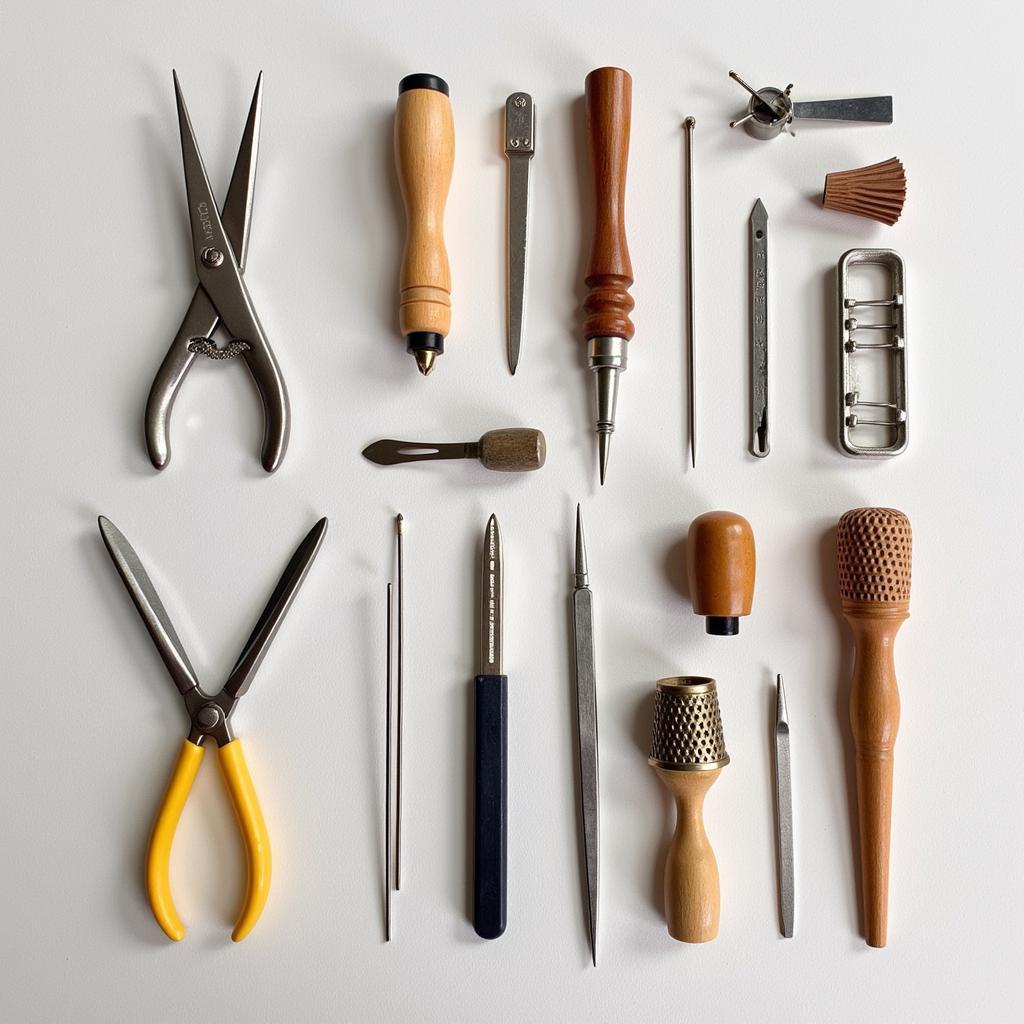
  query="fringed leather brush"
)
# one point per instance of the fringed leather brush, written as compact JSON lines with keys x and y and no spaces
{"x":877,"y":191}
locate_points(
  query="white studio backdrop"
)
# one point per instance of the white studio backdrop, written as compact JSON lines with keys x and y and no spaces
{"x":97,"y":276}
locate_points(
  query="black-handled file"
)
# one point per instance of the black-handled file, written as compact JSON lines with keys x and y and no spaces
{"x":490,"y":868}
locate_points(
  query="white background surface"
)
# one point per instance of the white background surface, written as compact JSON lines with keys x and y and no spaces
{"x":96,"y":278}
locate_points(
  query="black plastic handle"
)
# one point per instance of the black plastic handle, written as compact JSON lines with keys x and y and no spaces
{"x":490,"y":868}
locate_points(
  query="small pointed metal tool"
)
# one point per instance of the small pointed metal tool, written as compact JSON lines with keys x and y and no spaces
{"x":784,"y":811}
{"x":400,"y":666}
{"x":512,"y":450}
{"x":771,"y":111}
{"x":388,"y":759}
{"x":586,"y":711}
{"x":691,"y":379}
{"x":520,"y":126}
{"x":759,"y":442}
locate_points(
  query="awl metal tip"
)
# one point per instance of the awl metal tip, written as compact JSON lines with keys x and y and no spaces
{"x":425,"y":359}
{"x":604,"y":441}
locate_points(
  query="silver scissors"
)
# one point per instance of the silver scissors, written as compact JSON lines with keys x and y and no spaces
{"x":219,"y":245}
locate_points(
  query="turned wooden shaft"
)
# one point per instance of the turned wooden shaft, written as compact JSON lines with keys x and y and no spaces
{"x":609,"y":94}
{"x":513,"y":449}
{"x":424,"y":155}
{"x":874,"y":720}
{"x":692,"y":896}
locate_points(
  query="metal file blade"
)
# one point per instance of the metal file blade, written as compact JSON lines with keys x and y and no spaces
{"x":759,"y":443}
{"x":491,"y":583}
{"x":784,"y":811}
{"x":519,"y":144}
{"x":586,"y":709}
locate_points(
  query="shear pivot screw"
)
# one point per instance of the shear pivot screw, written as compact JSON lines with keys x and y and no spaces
{"x":208,"y":717}
{"x":212,"y":257}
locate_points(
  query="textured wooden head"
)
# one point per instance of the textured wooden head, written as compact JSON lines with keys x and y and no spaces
{"x":877,"y":191}
{"x":873,"y":550}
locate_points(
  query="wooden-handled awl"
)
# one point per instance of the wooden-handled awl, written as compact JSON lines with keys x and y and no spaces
{"x":873,"y":549}
{"x":609,"y":93}
{"x":688,"y":754}
{"x":424,"y":154}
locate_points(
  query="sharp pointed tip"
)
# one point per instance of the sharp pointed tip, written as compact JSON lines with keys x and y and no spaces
{"x":603,"y":446}
{"x":425,"y":360}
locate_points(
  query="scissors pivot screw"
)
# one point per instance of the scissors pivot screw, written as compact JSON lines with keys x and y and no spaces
{"x":208,"y":717}
{"x":212,"y":257}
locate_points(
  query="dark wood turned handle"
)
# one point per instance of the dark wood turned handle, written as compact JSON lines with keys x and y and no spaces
{"x":609,"y":98}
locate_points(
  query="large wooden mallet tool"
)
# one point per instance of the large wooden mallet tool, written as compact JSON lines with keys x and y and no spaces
{"x":873,"y":549}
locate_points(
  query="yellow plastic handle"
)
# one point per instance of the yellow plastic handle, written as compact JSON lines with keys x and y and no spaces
{"x":158,"y":859}
{"x":254,"y":835}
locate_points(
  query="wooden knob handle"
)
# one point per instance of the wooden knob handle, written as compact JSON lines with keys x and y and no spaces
{"x":513,"y":450}
{"x":424,"y":154}
{"x":609,"y":93}
{"x":721,"y":564}
{"x":692,"y":896}
{"x":874,"y":721}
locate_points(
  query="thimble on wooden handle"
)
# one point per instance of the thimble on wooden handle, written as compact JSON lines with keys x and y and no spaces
{"x":873,"y":549}
{"x":688,"y":754}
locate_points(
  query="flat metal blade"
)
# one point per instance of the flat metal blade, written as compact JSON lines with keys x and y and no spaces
{"x":784,"y":811}
{"x":519,"y":148}
{"x":586,"y":711}
{"x":759,"y":443}
{"x":150,"y":607}
{"x":491,"y":581}
{"x":236,"y":215}
{"x":265,"y":630}
{"x":872,"y":109}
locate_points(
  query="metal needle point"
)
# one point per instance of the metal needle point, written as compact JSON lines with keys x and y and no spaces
{"x":586,"y":711}
{"x":784,"y":810}
{"x":387,"y":779}
{"x":399,"y":525}
{"x":689,"y":124}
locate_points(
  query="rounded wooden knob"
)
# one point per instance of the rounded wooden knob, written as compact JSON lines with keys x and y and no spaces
{"x":720,"y":564}
{"x":513,"y":450}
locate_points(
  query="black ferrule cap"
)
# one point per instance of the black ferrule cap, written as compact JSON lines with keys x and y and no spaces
{"x":723,"y":625}
{"x":420,"y":341}
{"x":422,"y":81}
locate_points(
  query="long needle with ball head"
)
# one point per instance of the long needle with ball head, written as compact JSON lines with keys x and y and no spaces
{"x":586,"y":712}
{"x":608,"y":329}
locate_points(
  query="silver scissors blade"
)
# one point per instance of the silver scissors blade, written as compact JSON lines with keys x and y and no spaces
{"x":150,"y":607}
{"x":784,"y":810}
{"x":519,"y":146}
{"x":586,"y":710}
{"x":202,"y":318}
{"x":270,"y":620}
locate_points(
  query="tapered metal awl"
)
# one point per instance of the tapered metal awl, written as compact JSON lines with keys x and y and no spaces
{"x":586,"y":711}
{"x":784,"y":811}
{"x":520,"y":126}
{"x":760,"y":444}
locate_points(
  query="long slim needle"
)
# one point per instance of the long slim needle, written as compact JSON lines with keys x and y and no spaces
{"x":387,"y":783}
{"x":399,"y":525}
{"x":784,"y":811}
{"x":689,"y":124}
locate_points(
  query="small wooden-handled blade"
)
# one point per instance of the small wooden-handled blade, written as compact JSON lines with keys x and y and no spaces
{"x":424,"y":154}
{"x":510,"y":450}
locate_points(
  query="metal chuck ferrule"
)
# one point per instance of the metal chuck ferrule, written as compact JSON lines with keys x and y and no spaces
{"x":607,"y":357}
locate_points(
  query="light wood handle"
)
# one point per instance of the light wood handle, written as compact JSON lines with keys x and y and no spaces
{"x":691,"y":871}
{"x":874,"y":720}
{"x":424,"y":154}
{"x":513,"y":450}
{"x":721,"y":564}
{"x":609,"y":96}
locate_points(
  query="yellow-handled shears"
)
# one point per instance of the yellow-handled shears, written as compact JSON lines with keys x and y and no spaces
{"x":210,"y":718}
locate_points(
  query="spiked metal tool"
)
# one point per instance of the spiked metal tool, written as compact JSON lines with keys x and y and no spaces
{"x":586,"y":711}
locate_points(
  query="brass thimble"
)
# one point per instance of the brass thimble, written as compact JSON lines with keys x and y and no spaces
{"x":687,"y":732}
